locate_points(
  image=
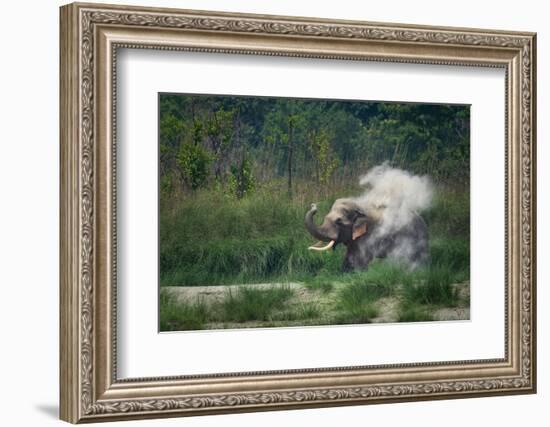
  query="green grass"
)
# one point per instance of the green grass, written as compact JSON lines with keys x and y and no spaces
{"x":209,"y":238}
{"x":432,"y":286}
{"x":320,"y":282}
{"x":381,"y":274}
{"x":419,"y":292}
{"x":415,"y":313}
{"x":254,"y":304}
{"x":355,"y":298}
{"x":360,"y":313}
{"x":427,"y":290}
{"x":177,"y":316}
{"x":244,"y":305}
{"x":453,"y":253}
{"x":449,"y":214}
{"x":359,"y":291}
{"x":308,"y":311}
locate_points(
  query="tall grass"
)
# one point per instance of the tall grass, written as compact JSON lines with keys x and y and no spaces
{"x":450,"y":214}
{"x":212,"y":239}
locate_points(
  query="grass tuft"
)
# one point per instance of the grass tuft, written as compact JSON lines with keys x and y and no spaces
{"x":415,"y":313}
{"x":179,"y":316}
{"x":308,"y":311}
{"x":433,"y":288}
{"x":254,"y":304}
{"x":355,"y":302}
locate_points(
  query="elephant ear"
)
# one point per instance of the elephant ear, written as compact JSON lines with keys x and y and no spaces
{"x":359,"y":224}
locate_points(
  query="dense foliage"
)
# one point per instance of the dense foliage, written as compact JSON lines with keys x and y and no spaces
{"x":237,"y":142}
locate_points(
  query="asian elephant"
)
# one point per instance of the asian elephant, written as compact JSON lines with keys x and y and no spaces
{"x":369,"y":234}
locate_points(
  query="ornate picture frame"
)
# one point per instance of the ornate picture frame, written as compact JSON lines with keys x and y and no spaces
{"x":90,"y":37}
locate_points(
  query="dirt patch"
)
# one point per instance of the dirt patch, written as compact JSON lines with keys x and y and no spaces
{"x":212,"y":294}
{"x":388,"y":310}
{"x":456,"y":313}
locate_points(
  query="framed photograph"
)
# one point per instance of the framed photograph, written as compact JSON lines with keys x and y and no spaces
{"x":267,"y":212}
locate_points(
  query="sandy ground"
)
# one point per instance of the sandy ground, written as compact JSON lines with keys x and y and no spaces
{"x":388,"y":307}
{"x":216,"y":293}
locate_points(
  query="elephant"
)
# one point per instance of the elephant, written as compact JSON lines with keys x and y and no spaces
{"x":366,"y":235}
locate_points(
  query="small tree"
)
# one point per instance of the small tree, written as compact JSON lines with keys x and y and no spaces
{"x":194,"y":163}
{"x":220,"y":129}
{"x":326,"y":160}
{"x":172,"y":131}
{"x":241,"y":179}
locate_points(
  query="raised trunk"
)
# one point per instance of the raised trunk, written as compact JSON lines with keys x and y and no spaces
{"x":314,"y":230}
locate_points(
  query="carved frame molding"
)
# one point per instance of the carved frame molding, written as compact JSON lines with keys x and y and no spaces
{"x":90,"y":36}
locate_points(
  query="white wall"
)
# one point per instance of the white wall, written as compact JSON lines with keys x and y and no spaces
{"x":29,"y":170}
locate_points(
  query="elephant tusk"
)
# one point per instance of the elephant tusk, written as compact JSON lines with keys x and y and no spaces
{"x":324,"y":248}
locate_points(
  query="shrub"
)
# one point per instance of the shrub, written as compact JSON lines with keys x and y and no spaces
{"x":241,"y":181}
{"x":194,"y":162}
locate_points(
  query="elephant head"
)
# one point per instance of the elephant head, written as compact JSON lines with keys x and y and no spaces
{"x":345,"y":223}
{"x":365,"y":238}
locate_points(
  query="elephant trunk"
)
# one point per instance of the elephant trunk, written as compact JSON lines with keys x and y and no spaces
{"x":314,"y":230}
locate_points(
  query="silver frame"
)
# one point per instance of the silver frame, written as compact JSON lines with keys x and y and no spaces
{"x":90,"y":37}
